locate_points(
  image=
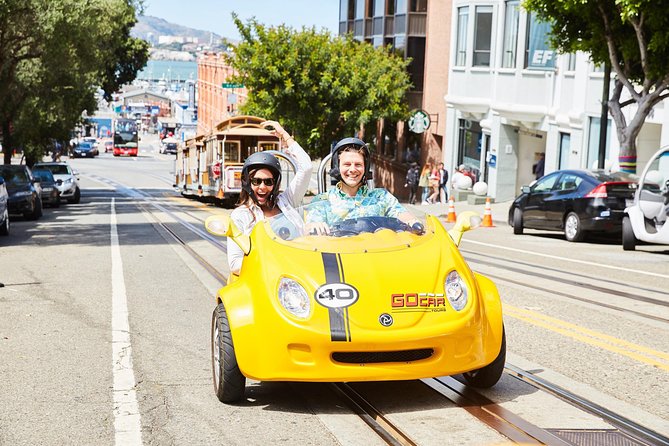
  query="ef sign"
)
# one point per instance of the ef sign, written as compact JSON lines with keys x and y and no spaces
{"x":419,"y":121}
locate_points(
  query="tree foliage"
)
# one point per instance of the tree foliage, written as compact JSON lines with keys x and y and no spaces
{"x":319,"y":86}
{"x":54,"y":56}
{"x":630,"y":35}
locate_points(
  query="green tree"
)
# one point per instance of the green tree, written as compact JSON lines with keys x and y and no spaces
{"x":630,"y":35}
{"x":319,"y":86}
{"x":53,"y":58}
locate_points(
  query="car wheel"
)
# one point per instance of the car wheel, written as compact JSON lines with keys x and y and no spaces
{"x":229,"y":383}
{"x":76,"y":198}
{"x":517,"y":221}
{"x":489,"y":375}
{"x":629,"y":239}
{"x":572,"y":228}
{"x":4,"y":229}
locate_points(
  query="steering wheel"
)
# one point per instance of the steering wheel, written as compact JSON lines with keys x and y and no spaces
{"x":354,"y":226}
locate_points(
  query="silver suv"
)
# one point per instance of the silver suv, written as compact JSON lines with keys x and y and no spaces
{"x":67,"y":180}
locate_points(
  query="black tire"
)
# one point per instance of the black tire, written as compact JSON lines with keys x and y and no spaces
{"x":629,"y":239}
{"x":488,"y":376}
{"x":76,"y":198}
{"x":39,"y":211}
{"x":517,"y":221}
{"x":573,"y":230}
{"x":4,"y":229}
{"x":229,"y":383}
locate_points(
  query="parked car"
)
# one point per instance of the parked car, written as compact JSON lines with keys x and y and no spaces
{"x":69,"y":180}
{"x":4,"y":211}
{"x":574,"y":201}
{"x":23,"y":189}
{"x":83,"y":150}
{"x":646,"y":218}
{"x":50,"y":192}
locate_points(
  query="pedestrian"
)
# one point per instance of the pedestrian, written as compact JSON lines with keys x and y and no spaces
{"x":413,"y":175}
{"x":424,"y":182}
{"x":538,"y":168}
{"x":443,"y":183}
{"x":434,"y":186}
{"x":260,"y":197}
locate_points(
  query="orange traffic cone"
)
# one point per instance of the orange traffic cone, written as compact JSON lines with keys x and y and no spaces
{"x":451,"y":217}
{"x":487,"y":215}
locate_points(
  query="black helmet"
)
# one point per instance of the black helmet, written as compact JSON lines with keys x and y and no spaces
{"x":346,"y":142}
{"x":261,"y":160}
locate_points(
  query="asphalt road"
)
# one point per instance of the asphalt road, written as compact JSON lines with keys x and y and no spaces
{"x":76,"y":276}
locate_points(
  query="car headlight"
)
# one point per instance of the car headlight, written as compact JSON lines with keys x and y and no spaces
{"x":294,"y":298}
{"x":456,"y":290}
{"x":68,"y":181}
{"x":24,"y":193}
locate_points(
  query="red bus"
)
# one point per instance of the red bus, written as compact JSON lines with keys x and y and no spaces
{"x":126,"y":137}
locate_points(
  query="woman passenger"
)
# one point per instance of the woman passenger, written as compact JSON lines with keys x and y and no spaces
{"x":260,"y":197}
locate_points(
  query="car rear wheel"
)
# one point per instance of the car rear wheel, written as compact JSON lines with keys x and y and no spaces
{"x":4,"y":228}
{"x":629,"y":239}
{"x":517,"y":221}
{"x":489,"y":375}
{"x":229,"y":383}
{"x":573,"y":230}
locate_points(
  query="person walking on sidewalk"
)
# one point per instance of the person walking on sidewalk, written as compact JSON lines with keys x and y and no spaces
{"x":443,"y":183}
{"x":424,"y":182}
{"x":434,"y":186}
{"x":411,"y":182}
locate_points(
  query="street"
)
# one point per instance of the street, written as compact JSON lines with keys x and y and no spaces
{"x":589,"y":317}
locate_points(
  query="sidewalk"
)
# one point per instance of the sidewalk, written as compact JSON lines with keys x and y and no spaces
{"x":499,"y":211}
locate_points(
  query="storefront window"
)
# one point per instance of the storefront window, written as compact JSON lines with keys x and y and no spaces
{"x":470,"y":139}
{"x":593,"y":142}
{"x":565,"y":149}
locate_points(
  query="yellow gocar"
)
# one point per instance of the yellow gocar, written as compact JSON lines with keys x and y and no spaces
{"x":371,"y":301}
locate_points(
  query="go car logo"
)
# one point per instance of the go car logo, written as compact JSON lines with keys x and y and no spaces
{"x":336,"y":295}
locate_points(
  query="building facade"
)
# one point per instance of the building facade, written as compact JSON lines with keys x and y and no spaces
{"x":511,"y":99}
{"x":217,"y":98}
{"x":421,"y":32}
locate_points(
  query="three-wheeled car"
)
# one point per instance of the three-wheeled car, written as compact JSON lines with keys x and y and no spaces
{"x":646,"y":218}
{"x":373,"y":300}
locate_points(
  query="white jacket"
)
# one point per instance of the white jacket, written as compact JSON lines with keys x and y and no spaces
{"x":246,"y":217}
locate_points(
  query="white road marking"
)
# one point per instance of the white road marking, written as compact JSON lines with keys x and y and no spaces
{"x":127,"y":423}
{"x":566,"y":259}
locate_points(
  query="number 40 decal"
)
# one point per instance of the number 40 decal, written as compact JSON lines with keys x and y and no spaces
{"x":336,"y":295}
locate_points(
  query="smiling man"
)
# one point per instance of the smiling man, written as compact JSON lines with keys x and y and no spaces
{"x":352,"y":198}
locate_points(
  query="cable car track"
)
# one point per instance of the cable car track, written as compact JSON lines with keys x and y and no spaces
{"x":492,"y":414}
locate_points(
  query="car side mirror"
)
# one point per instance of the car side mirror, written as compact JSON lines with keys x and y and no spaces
{"x":223,"y":226}
{"x":525,"y":189}
{"x":59,"y":181}
{"x":466,"y":221}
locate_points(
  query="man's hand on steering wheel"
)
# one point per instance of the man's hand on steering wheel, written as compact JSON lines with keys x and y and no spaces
{"x":317,"y":228}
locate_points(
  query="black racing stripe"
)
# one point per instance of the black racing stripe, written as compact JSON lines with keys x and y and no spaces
{"x":337,"y":324}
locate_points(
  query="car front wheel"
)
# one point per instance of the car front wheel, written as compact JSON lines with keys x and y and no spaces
{"x":229,"y":383}
{"x":76,"y":198}
{"x":517,"y":221}
{"x":629,"y":239}
{"x":572,"y":228}
{"x":489,"y":375}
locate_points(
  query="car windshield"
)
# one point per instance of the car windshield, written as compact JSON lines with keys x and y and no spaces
{"x":56,"y":169}
{"x":43,"y":174}
{"x":14,"y":174}
{"x":369,"y":233}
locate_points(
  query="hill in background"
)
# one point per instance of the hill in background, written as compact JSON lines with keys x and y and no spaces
{"x":149,"y":25}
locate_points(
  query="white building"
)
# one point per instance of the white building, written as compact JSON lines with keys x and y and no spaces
{"x":510,"y":98}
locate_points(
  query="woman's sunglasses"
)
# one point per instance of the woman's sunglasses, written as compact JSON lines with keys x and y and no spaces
{"x":257,"y":181}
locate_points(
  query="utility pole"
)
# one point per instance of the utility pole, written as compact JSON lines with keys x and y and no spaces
{"x":604,"y":116}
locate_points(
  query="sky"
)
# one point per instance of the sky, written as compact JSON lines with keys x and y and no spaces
{"x":215,"y":15}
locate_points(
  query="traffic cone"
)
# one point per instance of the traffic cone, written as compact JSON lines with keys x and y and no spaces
{"x":451,"y":217}
{"x":487,"y":215}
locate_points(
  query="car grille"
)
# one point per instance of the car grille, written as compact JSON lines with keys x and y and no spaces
{"x":376,"y":357}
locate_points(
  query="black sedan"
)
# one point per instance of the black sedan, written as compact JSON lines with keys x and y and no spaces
{"x":24,"y":191}
{"x":574,"y":201}
{"x":84,"y":150}
{"x":49,"y":185}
